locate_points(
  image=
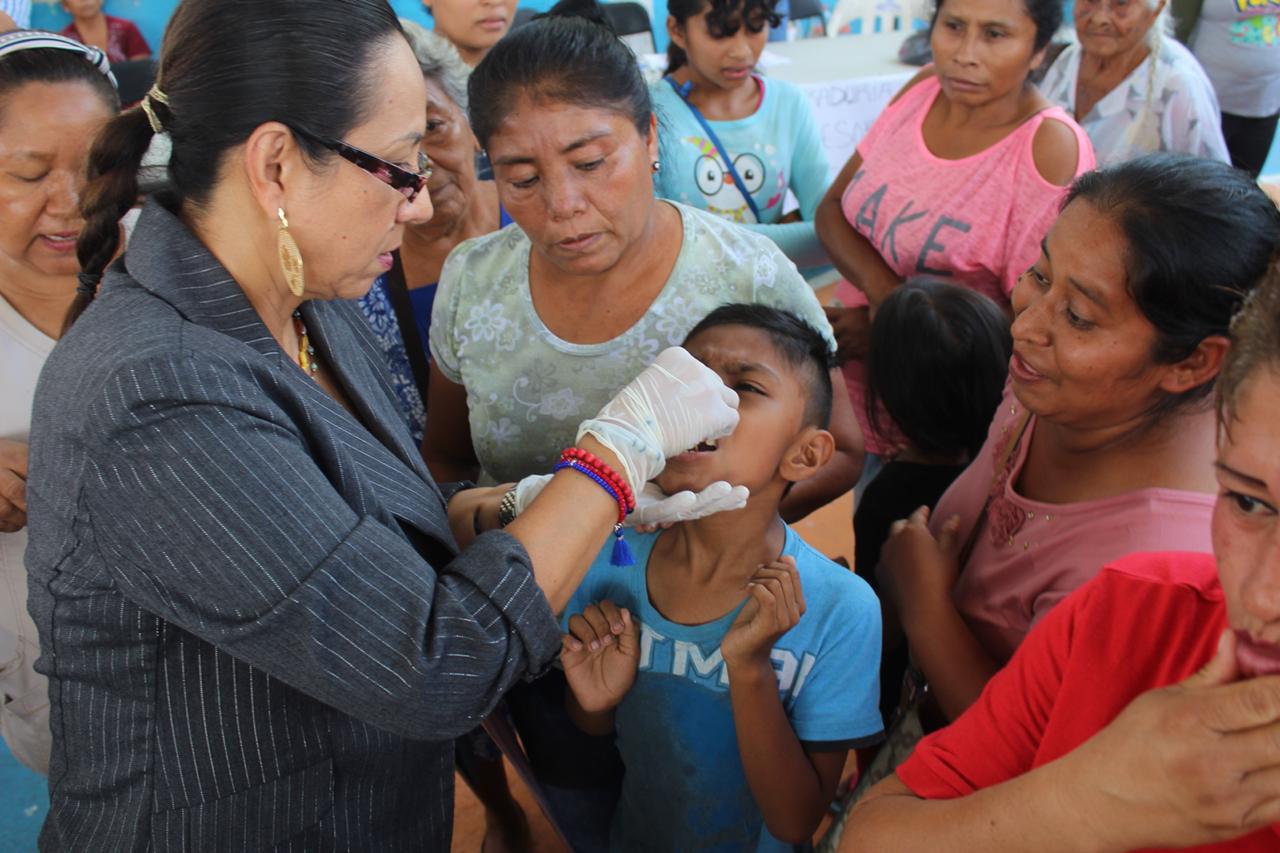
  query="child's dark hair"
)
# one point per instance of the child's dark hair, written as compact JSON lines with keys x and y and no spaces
{"x":799,"y":344}
{"x":54,"y":65}
{"x":569,"y":55}
{"x":724,"y":19}
{"x":938,"y":358}
{"x":1045,"y":14}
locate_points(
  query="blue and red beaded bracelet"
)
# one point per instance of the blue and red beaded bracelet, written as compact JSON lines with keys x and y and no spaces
{"x":587,"y":463}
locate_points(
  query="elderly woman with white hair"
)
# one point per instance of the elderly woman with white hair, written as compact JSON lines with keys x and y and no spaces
{"x":398,"y":306}
{"x":1132,"y":86}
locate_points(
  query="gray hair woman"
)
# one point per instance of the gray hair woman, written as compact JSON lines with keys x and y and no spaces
{"x":398,"y":307}
{"x":1133,"y":88}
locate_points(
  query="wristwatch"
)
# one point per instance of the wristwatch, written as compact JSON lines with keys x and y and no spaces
{"x":507,"y":508}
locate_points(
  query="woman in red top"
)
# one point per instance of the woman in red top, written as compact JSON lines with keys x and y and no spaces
{"x":116,"y":37}
{"x":1144,"y":711}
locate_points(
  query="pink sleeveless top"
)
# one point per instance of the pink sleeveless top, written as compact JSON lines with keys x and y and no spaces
{"x":1030,"y":555}
{"x":978,"y":220}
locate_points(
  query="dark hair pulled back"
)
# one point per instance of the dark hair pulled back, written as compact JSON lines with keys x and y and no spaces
{"x":724,"y":18}
{"x":53,"y":65}
{"x":1200,"y":236}
{"x":951,"y":340}
{"x":1045,"y":14}
{"x":569,"y":55}
{"x":227,"y":67}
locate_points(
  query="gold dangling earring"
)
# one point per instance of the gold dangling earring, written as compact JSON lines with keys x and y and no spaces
{"x":290,"y":257}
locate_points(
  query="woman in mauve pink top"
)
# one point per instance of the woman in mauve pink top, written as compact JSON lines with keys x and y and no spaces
{"x":1104,"y":443}
{"x":959,"y":177}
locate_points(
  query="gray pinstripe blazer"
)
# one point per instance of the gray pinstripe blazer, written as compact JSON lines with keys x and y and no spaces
{"x":257,"y":629}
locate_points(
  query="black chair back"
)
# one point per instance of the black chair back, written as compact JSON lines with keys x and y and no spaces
{"x":134,"y":77}
{"x":631,"y":19}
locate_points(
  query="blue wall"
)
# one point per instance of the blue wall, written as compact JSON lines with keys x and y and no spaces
{"x":151,"y":15}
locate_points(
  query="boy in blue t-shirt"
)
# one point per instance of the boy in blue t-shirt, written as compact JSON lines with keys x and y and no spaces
{"x":737,"y":665}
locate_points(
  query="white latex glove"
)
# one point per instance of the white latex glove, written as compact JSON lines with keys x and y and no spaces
{"x":675,"y":404}
{"x":654,"y":506}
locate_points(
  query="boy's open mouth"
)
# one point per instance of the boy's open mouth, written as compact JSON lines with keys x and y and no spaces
{"x":693,"y":452}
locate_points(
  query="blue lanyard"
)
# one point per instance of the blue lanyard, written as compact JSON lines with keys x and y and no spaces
{"x":682,"y":91}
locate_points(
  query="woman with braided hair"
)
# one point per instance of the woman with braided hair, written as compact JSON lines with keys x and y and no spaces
{"x":1133,"y":87}
{"x":262,"y":621}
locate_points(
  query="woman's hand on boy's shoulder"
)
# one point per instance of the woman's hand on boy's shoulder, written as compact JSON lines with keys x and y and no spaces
{"x":600,"y":655}
{"x":774,"y":606}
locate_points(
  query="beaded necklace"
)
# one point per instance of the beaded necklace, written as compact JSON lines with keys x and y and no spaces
{"x":306,"y":352}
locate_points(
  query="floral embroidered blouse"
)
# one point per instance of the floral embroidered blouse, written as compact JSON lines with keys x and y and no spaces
{"x":527,"y":389}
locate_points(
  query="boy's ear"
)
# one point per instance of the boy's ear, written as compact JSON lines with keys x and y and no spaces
{"x":809,"y":452}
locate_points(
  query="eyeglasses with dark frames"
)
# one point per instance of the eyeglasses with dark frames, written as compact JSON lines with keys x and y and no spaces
{"x":408,"y":183}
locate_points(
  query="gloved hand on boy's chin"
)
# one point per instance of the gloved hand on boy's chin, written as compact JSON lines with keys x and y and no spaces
{"x":655,"y":507}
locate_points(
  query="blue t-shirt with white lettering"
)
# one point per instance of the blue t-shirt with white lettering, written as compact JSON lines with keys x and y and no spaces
{"x":685,"y":787}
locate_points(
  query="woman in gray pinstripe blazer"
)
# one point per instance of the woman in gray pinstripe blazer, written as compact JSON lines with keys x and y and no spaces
{"x":258,"y":629}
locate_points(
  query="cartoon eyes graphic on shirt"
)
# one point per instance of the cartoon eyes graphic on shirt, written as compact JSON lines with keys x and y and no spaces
{"x":751,"y":170}
{"x":710,"y":175}
{"x":720,"y":194}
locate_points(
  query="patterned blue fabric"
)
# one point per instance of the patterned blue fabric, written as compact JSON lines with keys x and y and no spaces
{"x":376,"y":307}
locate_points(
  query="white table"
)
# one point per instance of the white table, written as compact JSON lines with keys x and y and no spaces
{"x":849,"y":80}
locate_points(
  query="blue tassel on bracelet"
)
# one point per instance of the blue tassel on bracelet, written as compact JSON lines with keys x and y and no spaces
{"x":621,"y":554}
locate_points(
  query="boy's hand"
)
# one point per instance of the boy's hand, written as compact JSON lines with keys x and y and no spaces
{"x":600,"y":655}
{"x":775,"y":606}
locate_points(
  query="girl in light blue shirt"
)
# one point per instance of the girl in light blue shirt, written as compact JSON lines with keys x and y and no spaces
{"x":733,"y":143}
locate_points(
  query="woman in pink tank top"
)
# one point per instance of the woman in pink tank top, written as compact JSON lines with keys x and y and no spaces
{"x":960,"y":177}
